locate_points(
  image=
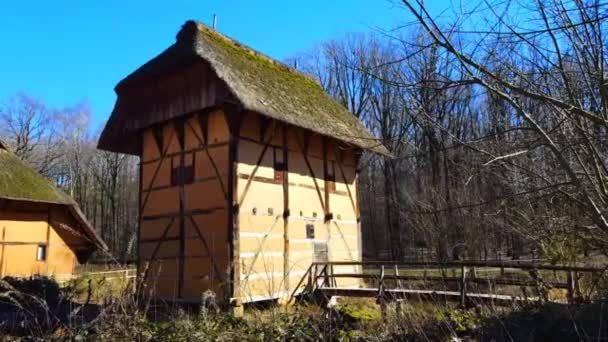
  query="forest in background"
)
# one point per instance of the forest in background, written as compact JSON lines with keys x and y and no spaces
{"x":498,"y":128}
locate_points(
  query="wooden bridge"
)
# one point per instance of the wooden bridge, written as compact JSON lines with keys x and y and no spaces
{"x":466,"y":282}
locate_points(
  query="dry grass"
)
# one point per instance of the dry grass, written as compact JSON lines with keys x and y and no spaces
{"x":101,"y":312}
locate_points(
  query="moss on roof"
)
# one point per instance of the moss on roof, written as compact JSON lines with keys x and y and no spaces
{"x":276,"y":90}
{"x":18,"y":181}
{"x":258,"y":82}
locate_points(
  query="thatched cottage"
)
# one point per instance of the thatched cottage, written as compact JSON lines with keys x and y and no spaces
{"x":248,"y":170}
{"x":42,"y":230}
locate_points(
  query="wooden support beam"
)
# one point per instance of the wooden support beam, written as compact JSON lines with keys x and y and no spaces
{"x":201,"y":148}
{"x":163,"y":154}
{"x":179,"y":129}
{"x":353,"y":201}
{"x":286,"y":210}
{"x":257,"y":164}
{"x":233,"y":118}
{"x":140,"y":194}
{"x":179,"y":126}
{"x":326,"y":208}
{"x":303,"y":149}
{"x":2,"y":260}
{"x":201,"y":236}
{"x":157,"y":131}
{"x":157,"y":247}
{"x":203,"y":121}
{"x":200,"y":211}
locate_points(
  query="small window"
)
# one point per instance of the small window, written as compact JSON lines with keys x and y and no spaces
{"x":41,"y":253}
{"x":279,"y":165}
{"x":279,"y":172}
{"x":310,"y":231}
{"x":182,"y":175}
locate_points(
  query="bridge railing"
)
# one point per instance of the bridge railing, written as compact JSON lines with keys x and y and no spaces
{"x":391,"y":275}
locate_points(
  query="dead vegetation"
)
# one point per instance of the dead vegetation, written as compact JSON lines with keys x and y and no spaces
{"x":90,"y":309}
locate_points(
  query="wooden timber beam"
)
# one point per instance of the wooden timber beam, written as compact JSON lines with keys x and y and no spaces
{"x":203,"y":121}
{"x":140,"y":214}
{"x":327,"y":210}
{"x":204,"y":241}
{"x":353,"y":202}
{"x":163,"y":155}
{"x":201,"y":148}
{"x":157,"y":131}
{"x":234,"y":117}
{"x":178,"y":125}
{"x":2,"y":253}
{"x":157,"y":247}
{"x":258,"y":163}
{"x":204,"y":143}
{"x":303,"y":149}
{"x":286,"y":210}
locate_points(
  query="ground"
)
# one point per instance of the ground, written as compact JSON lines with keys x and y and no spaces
{"x":95,"y":308}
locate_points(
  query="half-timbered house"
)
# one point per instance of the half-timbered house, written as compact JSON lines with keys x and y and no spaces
{"x":248,"y":169}
{"x":42,"y":230}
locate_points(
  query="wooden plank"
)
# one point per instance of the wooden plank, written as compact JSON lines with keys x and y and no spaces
{"x":449,"y":264}
{"x":439,"y":279}
{"x":422,"y":294}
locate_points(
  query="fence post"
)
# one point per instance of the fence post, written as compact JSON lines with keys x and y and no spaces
{"x":463,"y":286}
{"x":570,"y":287}
{"x":381,"y":299}
{"x":397,"y":280}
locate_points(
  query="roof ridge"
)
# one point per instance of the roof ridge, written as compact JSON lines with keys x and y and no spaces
{"x":192,"y":27}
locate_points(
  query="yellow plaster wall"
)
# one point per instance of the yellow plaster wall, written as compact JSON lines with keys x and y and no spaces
{"x":262,"y":233}
{"x":23,"y":226}
{"x":206,"y":193}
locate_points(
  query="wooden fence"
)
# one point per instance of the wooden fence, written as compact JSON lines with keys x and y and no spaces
{"x":394,"y":280}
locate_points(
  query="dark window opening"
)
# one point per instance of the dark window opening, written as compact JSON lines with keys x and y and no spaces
{"x":310,"y":231}
{"x":279,"y":166}
{"x":41,"y":253}
{"x":182,"y":175}
{"x":331,"y":177}
{"x":279,"y":172}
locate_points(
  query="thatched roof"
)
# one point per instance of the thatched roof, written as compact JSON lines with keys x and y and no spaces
{"x":258,"y":83}
{"x":19,"y":182}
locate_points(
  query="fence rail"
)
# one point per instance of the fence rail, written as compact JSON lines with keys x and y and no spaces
{"x":390,"y":277}
{"x":127,"y":273}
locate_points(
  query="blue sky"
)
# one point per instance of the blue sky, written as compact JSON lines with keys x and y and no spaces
{"x":64,"y":52}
